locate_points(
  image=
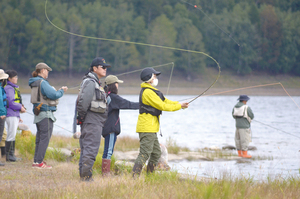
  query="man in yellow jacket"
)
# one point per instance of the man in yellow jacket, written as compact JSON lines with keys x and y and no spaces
{"x":152,"y":103}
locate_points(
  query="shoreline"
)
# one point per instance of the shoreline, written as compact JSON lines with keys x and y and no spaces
{"x":197,"y":91}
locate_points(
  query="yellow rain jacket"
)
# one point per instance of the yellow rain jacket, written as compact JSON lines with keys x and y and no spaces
{"x":148,"y":123}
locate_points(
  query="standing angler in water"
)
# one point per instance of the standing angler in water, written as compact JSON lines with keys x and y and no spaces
{"x":152,"y":103}
{"x":243,"y":115}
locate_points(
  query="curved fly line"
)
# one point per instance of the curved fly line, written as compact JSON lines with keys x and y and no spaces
{"x":141,"y":44}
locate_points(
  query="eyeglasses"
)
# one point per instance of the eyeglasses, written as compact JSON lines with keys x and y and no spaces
{"x":103,"y":67}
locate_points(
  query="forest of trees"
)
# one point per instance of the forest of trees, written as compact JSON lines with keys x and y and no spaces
{"x":267,"y":32}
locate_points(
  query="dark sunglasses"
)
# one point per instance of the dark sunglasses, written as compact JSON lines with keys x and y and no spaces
{"x":104,"y":67}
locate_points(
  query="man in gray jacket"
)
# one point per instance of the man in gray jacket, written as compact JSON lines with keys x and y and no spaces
{"x":92,"y":113}
{"x":243,"y":115}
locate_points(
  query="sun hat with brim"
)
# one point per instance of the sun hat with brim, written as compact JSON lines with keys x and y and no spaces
{"x":110,"y":79}
{"x":147,"y":74}
{"x":3,"y":75}
{"x":43,"y":66}
{"x":243,"y":98}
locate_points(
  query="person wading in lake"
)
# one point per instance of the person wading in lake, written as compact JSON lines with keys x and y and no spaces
{"x":152,"y":103}
{"x":243,"y":115}
{"x":112,"y":127}
{"x":91,"y":108}
{"x":44,"y":98}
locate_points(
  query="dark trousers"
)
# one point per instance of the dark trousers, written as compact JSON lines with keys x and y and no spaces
{"x":43,"y":135}
{"x":89,"y":144}
{"x":2,"y":123}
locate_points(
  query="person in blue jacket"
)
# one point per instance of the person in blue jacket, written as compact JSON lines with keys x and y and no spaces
{"x":112,"y":128}
{"x":44,"y":98}
{"x":3,"y":103}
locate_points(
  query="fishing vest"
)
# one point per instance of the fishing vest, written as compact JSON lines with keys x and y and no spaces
{"x":241,"y":112}
{"x":99,"y":101}
{"x":149,"y":109}
{"x":38,"y":97}
{"x":18,"y":97}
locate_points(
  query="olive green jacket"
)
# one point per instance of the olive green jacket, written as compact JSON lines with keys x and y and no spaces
{"x":243,"y":123}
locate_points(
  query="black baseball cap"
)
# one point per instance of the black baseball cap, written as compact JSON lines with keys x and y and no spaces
{"x":146,"y":73}
{"x":100,"y":61}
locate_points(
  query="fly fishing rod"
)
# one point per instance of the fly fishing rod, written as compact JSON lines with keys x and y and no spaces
{"x":54,"y":124}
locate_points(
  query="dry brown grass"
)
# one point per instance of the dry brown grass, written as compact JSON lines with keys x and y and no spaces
{"x":127,"y":143}
{"x":19,"y":180}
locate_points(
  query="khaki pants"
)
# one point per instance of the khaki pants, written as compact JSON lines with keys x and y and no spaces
{"x":2,"y":143}
{"x":149,"y":149}
{"x":242,"y":139}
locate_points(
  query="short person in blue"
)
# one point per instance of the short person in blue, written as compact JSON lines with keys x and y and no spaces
{"x":112,"y":128}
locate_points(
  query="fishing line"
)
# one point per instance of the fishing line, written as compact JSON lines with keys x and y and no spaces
{"x":262,"y":85}
{"x":199,"y":8}
{"x":126,"y":73}
{"x":137,"y":43}
{"x":275,"y":128}
{"x":53,"y":123}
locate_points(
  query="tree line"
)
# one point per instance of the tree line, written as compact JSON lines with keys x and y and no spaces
{"x":242,"y":35}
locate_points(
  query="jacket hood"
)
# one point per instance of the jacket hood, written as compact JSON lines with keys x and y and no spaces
{"x":146,"y":85}
{"x":92,"y":75}
{"x":33,"y":79}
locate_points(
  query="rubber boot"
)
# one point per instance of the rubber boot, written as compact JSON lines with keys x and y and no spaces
{"x":150,"y":167}
{"x":9,"y":151}
{"x":106,"y":167}
{"x":137,"y":168}
{"x":3,"y":153}
{"x":245,"y":154}
{"x":240,"y":153}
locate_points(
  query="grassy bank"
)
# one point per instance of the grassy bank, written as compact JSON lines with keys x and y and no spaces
{"x":179,"y":85}
{"x":19,"y":180}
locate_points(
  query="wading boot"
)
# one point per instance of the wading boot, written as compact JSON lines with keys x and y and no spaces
{"x":10,"y":152}
{"x":240,"y":153}
{"x":106,"y":167}
{"x":137,"y":168}
{"x":150,"y":167}
{"x":245,"y":154}
{"x":3,"y":153}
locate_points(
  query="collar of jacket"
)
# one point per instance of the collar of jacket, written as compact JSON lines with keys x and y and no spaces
{"x":12,"y":84}
{"x":146,"y":85}
{"x":93,"y":76}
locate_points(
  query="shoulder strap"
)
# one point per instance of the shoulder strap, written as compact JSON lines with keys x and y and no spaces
{"x":39,"y":90}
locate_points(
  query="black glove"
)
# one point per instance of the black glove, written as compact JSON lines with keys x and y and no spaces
{"x":80,"y":120}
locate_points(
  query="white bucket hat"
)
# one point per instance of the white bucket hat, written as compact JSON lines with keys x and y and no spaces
{"x":3,"y":75}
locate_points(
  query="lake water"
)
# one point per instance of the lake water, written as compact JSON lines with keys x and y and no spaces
{"x":208,"y":122}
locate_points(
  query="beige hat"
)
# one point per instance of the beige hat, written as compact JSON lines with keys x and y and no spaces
{"x":110,"y":79}
{"x":43,"y":66}
{"x":3,"y":75}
